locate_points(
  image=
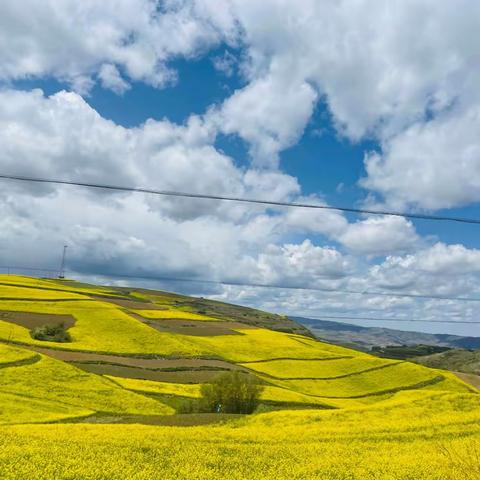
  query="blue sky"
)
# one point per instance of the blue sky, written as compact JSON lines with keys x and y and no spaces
{"x":254,"y":100}
{"x":324,"y":162}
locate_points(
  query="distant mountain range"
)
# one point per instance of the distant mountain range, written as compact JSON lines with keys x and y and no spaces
{"x":364,"y":338}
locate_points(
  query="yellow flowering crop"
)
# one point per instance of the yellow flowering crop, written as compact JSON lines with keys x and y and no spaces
{"x":269,"y":393}
{"x":173,"y":313}
{"x":391,"y":420}
{"x":10,"y":354}
{"x":100,"y":327}
{"x":55,"y":382}
{"x":10,"y":291}
{"x":427,"y":441}
{"x":54,"y":284}
{"x":394,"y":377}
{"x":329,"y":368}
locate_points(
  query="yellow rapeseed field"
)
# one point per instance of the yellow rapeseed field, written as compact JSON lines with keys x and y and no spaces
{"x":100,"y":327}
{"x":345,"y":415}
{"x":54,"y":284}
{"x":393,"y":377}
{"x":173,"y":313}
{"x":430,"y":439}
{"x":321,"y":369}
{"x":54,"y":382}
{"x":261,"y":344}
{"x":10,"y":291}
{"x":269,"y":393}
{"x":10,"y":354}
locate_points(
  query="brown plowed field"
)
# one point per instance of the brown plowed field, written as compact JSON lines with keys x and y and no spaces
{"x":34,"y":320}
{"x":146,"y":363}
{"x":130,"y":304}
{"x":182,"y":376}
{"x":193,"y":327}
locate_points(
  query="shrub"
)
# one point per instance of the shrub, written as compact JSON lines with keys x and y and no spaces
{"x":51,"y":333}
{"x":231,"y":392}
{"x":188,"y":405}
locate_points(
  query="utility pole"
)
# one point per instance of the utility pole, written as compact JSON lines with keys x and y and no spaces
{"x":62,"y":267}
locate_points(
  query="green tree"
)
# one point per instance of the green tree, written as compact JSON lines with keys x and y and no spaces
{"x":232,"y":392}
{"x":51,"y":333}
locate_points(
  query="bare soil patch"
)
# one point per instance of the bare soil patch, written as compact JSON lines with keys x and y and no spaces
{"x":181,"y":376}
{"x":130,"y":304}
{"x":34,"y":320}
{"x":147,"y":363}
{"x":193,"y":327}
{"x":180,"y":420}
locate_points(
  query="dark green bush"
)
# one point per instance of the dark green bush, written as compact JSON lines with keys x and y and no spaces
{"x":51,"y":333}
{"x":188,"y":406}
{"x":231,"y":392}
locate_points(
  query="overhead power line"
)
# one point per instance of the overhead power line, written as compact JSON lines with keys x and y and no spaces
{"x":167,"y":278}
{"x":273,"y":203}
{"x":32,"y":269}
{"x":285,"y":287}
{"x":377,"y":319}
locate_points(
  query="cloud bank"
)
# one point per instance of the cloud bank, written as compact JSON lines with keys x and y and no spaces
{"x":402,"y":74}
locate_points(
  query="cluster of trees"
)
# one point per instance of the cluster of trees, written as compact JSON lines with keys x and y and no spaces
{"x":51,"y":333}
{"x":230,"y":392}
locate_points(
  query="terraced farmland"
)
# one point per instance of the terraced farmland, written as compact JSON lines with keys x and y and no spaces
{"x":45,"y":379}
{"x":136,"y":357}
{"x":321,"y":369}
{"x":172,"y":314}
{"x":11,"y":356}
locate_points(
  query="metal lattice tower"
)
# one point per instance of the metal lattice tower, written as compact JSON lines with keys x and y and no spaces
{"x":62,"y":266}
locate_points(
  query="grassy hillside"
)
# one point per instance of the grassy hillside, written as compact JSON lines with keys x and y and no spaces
{"x":137,"y":356}
{"x":220,"y":310}
{"x":465,"y":361}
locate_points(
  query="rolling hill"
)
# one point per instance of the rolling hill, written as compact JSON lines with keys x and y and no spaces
{"x":107,"y":403}
{"x":465,"y":361}
{"x":365,"y":338}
